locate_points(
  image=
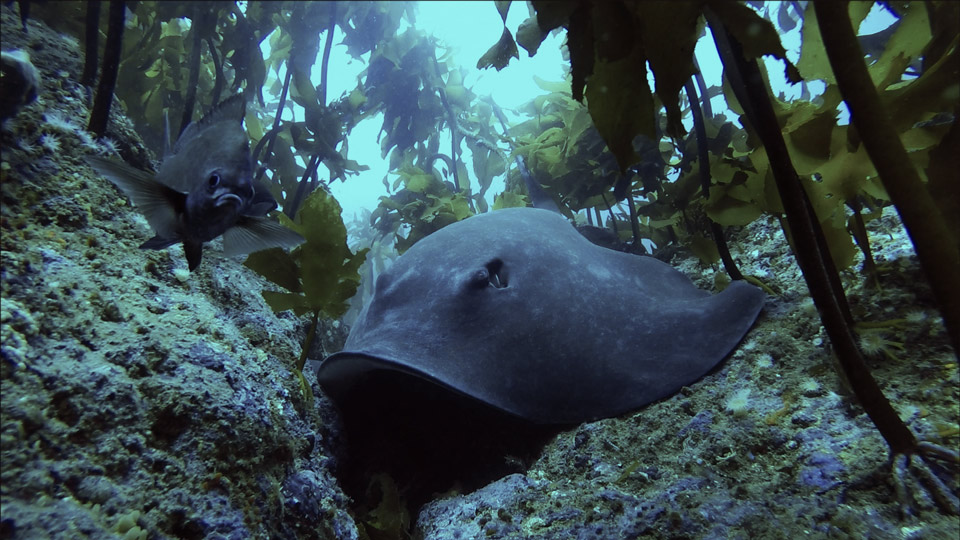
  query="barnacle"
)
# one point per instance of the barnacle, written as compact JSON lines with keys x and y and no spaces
{"x":810,"y":388}
{"x":916,"y":316}
{"x":739,"y":403}
{"x":50,"y":142}
{"x":873,"y":343}
{"x":87,"y":140}
{"x":55,"y":120}
{"x":108,"y":146}
{"x":26,"y":145}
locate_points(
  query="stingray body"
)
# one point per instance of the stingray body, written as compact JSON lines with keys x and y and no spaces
{"x":516,"y":310}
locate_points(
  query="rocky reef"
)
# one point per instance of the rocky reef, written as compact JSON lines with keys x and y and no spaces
{"x":143,"y":401}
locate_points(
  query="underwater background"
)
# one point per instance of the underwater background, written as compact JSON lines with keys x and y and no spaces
{"x":140,"y":400}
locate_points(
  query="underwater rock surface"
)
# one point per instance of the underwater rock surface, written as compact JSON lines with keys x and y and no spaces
{"x":140,"y":401}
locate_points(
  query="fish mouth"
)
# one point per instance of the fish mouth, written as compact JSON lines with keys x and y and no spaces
{"x":228,"y":198}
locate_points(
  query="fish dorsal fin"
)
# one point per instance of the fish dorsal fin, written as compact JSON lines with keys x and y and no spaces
{"x":256,"y":233}
{"x":166,"y":134}
{"x":189,"y":133}
{"x":157,"y":202}
{"x":234,"y":107}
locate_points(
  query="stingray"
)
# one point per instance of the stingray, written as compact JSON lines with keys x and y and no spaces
{"x":517,"y":311}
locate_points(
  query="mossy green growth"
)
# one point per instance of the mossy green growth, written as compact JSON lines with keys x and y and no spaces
{"x":321,"y":274}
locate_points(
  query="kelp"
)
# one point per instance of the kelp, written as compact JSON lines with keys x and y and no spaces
{"x":813,"y":256}
{"x":836,"y":169}
{"x":91,"y":35}
{"x":938,"y":247}
{"x":425,"y":203}
{"x":704,"y":159}
{"x":103,"y":99}
{"x":321,"y":274}
{"x":792,"y":160}
{"x":563,"y":151}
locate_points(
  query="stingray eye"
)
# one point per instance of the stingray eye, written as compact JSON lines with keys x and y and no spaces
{"x":214,"y":180}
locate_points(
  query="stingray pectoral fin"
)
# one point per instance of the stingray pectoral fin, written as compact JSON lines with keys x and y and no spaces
{"x":681,"y":341}
{"x":256,"y":233}
{"x":157,"y":202}
{"x":739,"y":305}
{"x":712,"y":330}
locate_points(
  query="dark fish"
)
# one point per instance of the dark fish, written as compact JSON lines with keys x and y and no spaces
{"x":21,"y":81}
{"x":204,"y":189}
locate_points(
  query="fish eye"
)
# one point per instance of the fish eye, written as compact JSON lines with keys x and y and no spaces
{"x":214,"y":180}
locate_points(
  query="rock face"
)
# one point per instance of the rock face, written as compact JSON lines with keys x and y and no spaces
{"x":142,"y":401}
{"x":138,"y":398}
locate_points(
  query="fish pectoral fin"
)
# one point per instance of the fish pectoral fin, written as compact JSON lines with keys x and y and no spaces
{"x":258,"y":209}
{"x":194,"y":253}
{"x":258,"y":233}
{"x":159,"y":242}
{"x":157,"y":202}
{"x":262,"y":202}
